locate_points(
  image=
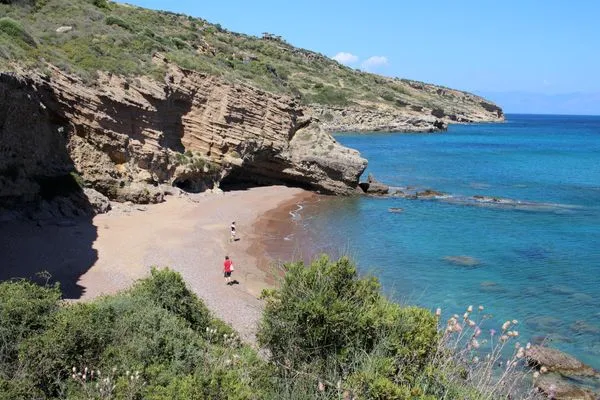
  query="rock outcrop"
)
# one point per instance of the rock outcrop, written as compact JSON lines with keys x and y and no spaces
{"x":374,"y":187}
{"x":556,"y":361}
{"x":125,"y":137}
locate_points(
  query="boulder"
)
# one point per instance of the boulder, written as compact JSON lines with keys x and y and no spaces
{"x":557,"y":361}
{"x":373,"y":186}
{"x":63,"y":29}
{"x":99,"y":202}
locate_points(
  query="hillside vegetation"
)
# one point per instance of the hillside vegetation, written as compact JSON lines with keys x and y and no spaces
{"x":328,"y":334}
{"x":84,"y":36}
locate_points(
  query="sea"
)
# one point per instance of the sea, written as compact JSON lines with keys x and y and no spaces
{"x":516,"y":228}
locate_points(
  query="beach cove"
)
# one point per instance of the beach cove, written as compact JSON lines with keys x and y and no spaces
{"x":189,"y":234}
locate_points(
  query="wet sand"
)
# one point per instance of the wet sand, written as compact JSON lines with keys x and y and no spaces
{"x":189,"y":234}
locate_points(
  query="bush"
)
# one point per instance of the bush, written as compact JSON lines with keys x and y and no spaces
{"x":16,"y":31}
{"x":327,"y":320}
{"x":25,"y":309}
{"x":166,"y":289}
{"x":112,"y":20}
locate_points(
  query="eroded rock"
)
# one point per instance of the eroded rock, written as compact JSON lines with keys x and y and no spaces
{"x":373,"y":186}
{"x":127,"y":137}
{"x":557,"y":361}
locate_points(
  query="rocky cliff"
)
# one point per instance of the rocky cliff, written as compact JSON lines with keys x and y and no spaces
{"x":128,"y":138}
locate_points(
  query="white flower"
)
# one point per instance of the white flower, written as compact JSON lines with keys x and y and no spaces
{"x":438,"y":312}
{"x":470,"y":309}
{"x":475,"y":343}
{"x":505,"y":325}
{"x":536,"y":374}
{"x":480,"y":308}
{"x":543,"y":370}
{"x":514,"y":321}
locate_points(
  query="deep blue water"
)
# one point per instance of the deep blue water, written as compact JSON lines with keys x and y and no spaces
{"x":539,"y":255}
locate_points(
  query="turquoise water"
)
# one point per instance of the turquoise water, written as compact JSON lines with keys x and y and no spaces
{"x":538,"y":253}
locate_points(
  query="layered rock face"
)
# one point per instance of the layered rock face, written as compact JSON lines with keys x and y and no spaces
{"x":127,"y":137}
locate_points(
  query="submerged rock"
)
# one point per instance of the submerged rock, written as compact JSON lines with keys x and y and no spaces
{"x":466,"y":261}
{"x":396,"y":210}
{"x":558,"y":388}
{"x":557,"y":361}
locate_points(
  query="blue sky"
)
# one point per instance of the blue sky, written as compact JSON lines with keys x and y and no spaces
{"x":530,"y":56}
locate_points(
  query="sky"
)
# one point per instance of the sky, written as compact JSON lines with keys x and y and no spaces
{"x":528,"y":56}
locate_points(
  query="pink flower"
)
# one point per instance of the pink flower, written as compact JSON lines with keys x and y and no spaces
{"x":492,"y":332}
{"x":477,"y":332}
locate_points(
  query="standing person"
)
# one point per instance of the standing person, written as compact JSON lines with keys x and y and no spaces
{"x":227,"y":269}
{"x":232,"y":238}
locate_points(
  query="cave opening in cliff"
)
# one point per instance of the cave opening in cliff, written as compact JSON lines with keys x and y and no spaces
{"x":248,"y":178}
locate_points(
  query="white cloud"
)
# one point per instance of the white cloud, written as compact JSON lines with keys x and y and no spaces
{"x":345,"y":58}
{"x":374,"y":62}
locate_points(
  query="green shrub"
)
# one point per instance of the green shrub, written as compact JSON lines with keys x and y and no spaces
{"x":76,"y":336}
{"x":167,"y":289}
{"x":112,"y":20}
{"x":25,"y":309}
{"x":324,"y":314}
{"x":16,"y":31}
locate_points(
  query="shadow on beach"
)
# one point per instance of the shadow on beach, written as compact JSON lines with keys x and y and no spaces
{"x":63,"y":248}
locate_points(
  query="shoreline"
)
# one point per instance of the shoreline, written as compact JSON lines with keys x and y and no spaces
{"x":189,"y":234}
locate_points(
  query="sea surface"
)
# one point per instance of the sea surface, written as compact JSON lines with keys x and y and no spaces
{"x":532,"y":254}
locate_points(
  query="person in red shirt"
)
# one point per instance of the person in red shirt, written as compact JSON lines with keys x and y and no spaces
{"x":227,"y":269}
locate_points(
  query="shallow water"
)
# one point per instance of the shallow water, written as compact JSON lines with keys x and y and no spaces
{"x":534,"y":257}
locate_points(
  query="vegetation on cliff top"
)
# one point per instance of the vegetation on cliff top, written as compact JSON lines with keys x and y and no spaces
{"x":329,"y":335}
{"x":84,"y":36}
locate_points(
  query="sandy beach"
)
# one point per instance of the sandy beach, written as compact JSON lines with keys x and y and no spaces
{"x":189,"y":234}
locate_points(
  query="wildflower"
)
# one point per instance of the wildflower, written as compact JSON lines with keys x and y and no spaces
{"x":321,"y":386}
{"x":543,"y":370}
{"x":475,"y":343}
{"x":504,"y":338}
{"x":514,"y":321}
{"x":528,"y":346}
{"x":506,"y":325}
{"x":492,"y":332}
{"x":480,"y":308}
{"x":536,"y":375}
{"x":470,"y":309}
{"x":520,"y":353}
{"x":475,"y":360}
{"x":466,"y":316}
{"x":515,"y":333}
{"x":457,"y":327}
{"x":455,"y":316}
{"x":438,"y":312}
{"x":517,"y":345}
{"x":471,"y":323}
{"x":477,"y":332}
